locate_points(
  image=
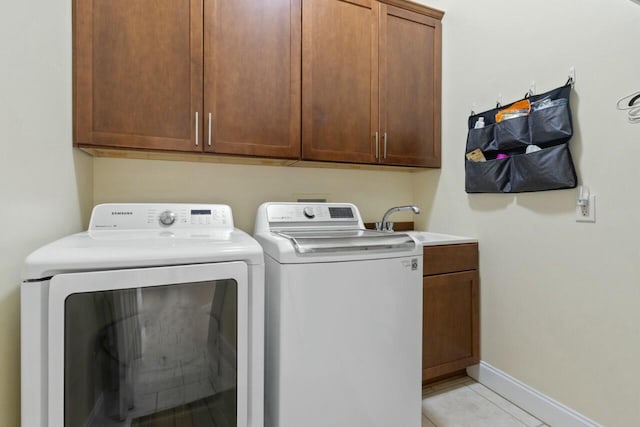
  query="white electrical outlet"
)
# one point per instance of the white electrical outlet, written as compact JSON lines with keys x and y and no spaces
{"x":587,"y":213}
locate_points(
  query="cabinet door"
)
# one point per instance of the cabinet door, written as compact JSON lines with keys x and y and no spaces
{"x":450,"y":323}
{"x":138,"y":73}
{"x":252,"y":77}
{"x":410,"y":88}
{"x":340,"y":80}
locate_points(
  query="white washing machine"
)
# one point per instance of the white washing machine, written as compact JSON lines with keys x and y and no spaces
{"x":343,"y":319}
{"x":154,"y":316}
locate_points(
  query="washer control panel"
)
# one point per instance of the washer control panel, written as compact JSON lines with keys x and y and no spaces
{"x":308,"y":212}
{"x":159,"y":216}
{"x":167,"y":218}
{"x":312,"y":213}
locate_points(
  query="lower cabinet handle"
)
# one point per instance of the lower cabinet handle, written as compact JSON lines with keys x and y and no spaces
{"x":196,"y":128}
{"x":385,"y":146}
{"x":209,"y":129}
{"x":377,"y":145}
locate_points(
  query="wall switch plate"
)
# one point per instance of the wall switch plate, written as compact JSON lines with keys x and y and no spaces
{"x":587,"y":213}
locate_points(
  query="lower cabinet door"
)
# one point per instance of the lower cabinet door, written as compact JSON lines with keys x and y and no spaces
{"x":450,"y":337}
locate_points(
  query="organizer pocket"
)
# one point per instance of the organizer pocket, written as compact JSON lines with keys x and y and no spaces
{"x":551,"y":124}
{"x":547,"y":169}
{"x":491,"y":176}
{"x":513,"y":133}
{"x":483,"y":138}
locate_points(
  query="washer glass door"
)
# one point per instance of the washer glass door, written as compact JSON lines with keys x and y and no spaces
{"x":151,"y":346}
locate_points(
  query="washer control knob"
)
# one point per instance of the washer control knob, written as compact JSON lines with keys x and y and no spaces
{"x":308,"y":212}
{"x":167,"y":218}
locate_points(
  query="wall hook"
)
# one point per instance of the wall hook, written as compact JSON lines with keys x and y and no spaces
{"x":631,"y":104}
{"x":572,"y":76}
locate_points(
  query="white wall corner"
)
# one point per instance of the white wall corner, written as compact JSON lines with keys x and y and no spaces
{"x":531,"y":400}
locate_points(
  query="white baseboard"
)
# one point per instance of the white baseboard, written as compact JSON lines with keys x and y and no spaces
{"x":540,"y":406}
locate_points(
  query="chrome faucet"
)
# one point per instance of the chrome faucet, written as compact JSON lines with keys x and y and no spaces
{"x":385,"y":225}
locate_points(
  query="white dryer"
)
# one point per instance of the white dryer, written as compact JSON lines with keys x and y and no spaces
{"x":154,"y":316}
{"x":343,"y":319}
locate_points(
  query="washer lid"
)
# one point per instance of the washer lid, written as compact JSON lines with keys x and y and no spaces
{"x":332,"y":241}
{"x":299,"y":233}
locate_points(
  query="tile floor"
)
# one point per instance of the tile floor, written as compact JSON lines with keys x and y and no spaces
{"x":462,"y":402}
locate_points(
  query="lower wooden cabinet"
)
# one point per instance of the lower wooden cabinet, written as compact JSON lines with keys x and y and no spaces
{"x":451,"y":331}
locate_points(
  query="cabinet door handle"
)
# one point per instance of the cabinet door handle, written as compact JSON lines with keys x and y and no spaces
{"x":210,"y":129}
{"x":385,"y":146}
{"x":377,"y":145}
{"x":196,"y":128}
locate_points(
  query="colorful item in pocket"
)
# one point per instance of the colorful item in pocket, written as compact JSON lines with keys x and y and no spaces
{"x":476,"y":156}
{"x":517,"y":109}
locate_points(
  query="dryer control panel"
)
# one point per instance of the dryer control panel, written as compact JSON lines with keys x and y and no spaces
{"x":150,"y":216}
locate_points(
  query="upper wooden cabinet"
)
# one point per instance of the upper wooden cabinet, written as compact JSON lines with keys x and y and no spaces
{"x":371,"y":83}
{"x":410,"y":87}
{"x":140,"y":80}
{"x":138,"y":73}
{"x":352,"y":81}
{"x":252,"y":77}
{"x":340,"y":80}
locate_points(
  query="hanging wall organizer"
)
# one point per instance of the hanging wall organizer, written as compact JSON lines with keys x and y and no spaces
{"x":522,"y":146}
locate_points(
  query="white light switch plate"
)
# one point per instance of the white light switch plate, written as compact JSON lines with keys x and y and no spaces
{"x":590,"y":211}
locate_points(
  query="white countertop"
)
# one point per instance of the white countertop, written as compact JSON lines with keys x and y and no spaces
{"x":433,"y":239}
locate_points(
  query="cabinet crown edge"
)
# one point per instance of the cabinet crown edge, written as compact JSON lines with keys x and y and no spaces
{"x":416,"y":7}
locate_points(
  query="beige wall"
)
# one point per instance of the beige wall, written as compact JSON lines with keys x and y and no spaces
{"x":45,"y":186}
{"x":559,"y":299}
{"x":246,"y":187}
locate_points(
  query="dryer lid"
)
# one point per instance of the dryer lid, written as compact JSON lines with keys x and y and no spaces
{"x":146,"y":235}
